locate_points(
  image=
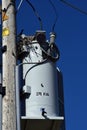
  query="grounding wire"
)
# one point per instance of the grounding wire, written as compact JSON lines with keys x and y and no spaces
{"x":74,"y":7}
{"x":36,"y":13}
{"x":55,"y":21}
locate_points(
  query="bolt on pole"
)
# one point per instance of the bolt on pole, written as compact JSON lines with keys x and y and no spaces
{"x":9,"y":63}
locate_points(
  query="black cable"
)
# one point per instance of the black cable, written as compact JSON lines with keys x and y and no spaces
{"x":50,"y":53}
{"x":55,"y":14}
{"x":37,"y":15}
{"x":20,"y":33}
{"x":35,"y":65}
{"x":74,"y":7}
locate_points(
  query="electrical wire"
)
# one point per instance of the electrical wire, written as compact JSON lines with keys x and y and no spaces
{"x":20,"y":33}
{"x":74,"y":7}
{"x":18,"y":8}
{"x":36,"y":13}
{"x":55,"y":21}
{"x":49,"y":53}
{"x":32,"y":62}
{"x":35,"y":64}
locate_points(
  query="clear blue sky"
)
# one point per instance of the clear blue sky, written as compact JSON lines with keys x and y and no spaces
{"x":71,"y":30}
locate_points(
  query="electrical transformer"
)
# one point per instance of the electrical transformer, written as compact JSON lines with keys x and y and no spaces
{"x":39,"y":90}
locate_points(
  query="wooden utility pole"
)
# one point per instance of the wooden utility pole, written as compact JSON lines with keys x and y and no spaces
{"x":9,"y":63}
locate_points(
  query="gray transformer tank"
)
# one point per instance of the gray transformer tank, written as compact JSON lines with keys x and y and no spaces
{"x":39,"y":100}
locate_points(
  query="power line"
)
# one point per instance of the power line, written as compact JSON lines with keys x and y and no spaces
{"x":53,"y":6}
{"x":74,"y":7}
{"x":36,"y":13}
{"x":34,"y":10}
{"x":21,"y":1}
